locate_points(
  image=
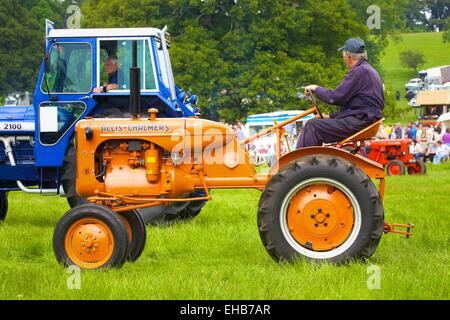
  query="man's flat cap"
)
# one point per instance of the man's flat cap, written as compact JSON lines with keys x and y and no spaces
{"x":354,"y":45}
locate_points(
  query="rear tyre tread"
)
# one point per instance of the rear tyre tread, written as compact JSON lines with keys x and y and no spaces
{"x":266,"y":216}
{"x":3,"y":206}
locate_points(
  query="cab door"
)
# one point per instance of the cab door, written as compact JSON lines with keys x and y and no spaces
{"x":63,"y":97}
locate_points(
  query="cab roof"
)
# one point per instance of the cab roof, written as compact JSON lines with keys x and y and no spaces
{"x":104,"y":33}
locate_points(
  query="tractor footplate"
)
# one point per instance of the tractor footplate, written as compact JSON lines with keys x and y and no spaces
{"x":392,"y":228}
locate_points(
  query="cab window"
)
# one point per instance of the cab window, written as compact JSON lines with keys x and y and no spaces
{"x":70,"y":69}
{"x":56,"y":118}
{"x":120,"y":52}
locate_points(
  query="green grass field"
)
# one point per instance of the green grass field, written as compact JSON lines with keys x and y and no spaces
{"x":436,"y":54}
{"x":219,"y":254}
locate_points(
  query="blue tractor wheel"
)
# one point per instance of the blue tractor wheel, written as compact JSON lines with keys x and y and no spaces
{"x":3,"y":205}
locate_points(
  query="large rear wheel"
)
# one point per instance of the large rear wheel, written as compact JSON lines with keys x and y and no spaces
{"x":3,"y":205}
{"x":320,"y":208}
{"x":69,"y":178}
{"x":177,"y":211}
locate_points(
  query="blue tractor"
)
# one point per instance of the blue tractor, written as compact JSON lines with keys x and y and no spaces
{"x":75,"y":81}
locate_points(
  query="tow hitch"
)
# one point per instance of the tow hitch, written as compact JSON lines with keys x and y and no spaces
{"x":392,"y":228}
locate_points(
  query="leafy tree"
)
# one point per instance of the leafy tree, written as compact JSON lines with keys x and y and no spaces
{"x":412,"y":59}
{"x":446,"y":35}
{"x":22,"y":25}
{"x":428,"y":14}
{"x":243,"y":57}
{"x":21,"y":46}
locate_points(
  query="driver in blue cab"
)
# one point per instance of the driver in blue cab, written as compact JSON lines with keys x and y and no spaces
{"x":111,"y":68}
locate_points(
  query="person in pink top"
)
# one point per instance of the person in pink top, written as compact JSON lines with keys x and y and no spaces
{"x":446,"y":137}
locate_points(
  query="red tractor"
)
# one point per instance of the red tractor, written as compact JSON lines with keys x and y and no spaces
{"x":396,"y":156}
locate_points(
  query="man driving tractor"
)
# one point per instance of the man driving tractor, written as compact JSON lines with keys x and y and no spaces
{"x":360,"y":96}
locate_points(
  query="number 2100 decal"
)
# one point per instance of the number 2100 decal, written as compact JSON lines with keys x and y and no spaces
{"x":17,"y":126}
{"x":12,"y":126}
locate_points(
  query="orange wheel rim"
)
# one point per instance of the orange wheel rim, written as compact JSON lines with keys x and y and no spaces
{"x":320,"y":217}
{"x":89,"y":243}
{"x":394,"y":170}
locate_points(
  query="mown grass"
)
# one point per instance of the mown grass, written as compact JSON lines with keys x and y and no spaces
{"x":396,"y":76}
{"x":219,"y":254}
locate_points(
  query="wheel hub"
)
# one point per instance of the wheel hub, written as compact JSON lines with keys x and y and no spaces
{"x":320,"y":217}
{"x":89,"y":243}
{"x":394,"y":170}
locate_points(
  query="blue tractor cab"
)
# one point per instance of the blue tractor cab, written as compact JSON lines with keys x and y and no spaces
{"x":85,"y":73}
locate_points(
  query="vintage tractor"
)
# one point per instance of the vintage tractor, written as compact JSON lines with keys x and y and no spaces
{"x":317,"y":203}
{"x":36,"y":150}
{"x":396,"y":156}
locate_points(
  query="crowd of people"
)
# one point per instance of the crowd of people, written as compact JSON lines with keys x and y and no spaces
{"x":430,"y":143}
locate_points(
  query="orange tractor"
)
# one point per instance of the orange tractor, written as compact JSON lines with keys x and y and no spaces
{"x":317,"y":203}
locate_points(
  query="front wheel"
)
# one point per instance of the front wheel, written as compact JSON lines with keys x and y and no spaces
{"x":137,"y":233}
{"x":320,"y":208}
{"x":91,"y":236}
{"x":395,"y":168}
{"x":417,"y":168}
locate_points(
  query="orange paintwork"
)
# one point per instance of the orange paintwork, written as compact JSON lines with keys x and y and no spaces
{"x":320,"y":217}
{"x":372,"y":168}
{"x":194,"y":140}
{"x":365,"y":134}
{"x":141,"y":162}
{"x":89,"y":243}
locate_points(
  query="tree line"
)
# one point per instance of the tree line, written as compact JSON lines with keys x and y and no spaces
{"x":239,"y":56}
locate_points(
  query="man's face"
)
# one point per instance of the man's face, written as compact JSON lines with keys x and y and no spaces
{"x":347,"y":59}
{"x":110,"y":66}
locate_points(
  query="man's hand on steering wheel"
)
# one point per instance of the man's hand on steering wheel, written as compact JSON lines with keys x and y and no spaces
{"x":310,"y":89}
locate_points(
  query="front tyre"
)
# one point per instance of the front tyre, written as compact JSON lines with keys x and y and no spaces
{"x":137,"y":233}
{"x":417,"y":168}
{"x":91,"y":237}
{"x":320,"y":208}
{"x":395,"y":168}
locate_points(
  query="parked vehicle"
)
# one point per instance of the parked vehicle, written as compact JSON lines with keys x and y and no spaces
{"x":36,"y":150}
{"x":414,"y":85}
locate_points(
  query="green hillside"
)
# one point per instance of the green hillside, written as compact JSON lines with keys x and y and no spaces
{"x":436,"y":52}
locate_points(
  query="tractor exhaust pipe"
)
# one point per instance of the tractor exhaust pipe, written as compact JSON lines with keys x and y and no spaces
{"x":135,"y":85}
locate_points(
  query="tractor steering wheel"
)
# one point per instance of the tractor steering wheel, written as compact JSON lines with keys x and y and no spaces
{"x":311,"y":97}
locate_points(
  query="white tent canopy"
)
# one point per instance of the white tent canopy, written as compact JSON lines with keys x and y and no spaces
{"x":444,"y":117}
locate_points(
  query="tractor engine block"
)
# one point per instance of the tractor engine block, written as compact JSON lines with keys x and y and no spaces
{"x":136,"y":168}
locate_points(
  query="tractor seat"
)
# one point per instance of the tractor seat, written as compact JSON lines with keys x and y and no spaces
{"x":365,"y":134}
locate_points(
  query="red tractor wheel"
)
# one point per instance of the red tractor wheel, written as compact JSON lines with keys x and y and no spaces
{"x":417,"y":168}
{"x":395,"y":168}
